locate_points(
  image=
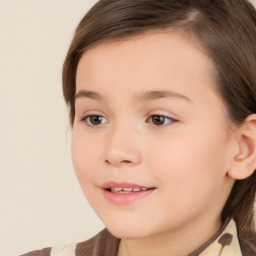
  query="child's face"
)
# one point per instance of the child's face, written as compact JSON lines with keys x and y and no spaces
{"x":153,"y":121}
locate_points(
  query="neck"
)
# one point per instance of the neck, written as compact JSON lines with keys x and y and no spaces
{"x":178,"y":243}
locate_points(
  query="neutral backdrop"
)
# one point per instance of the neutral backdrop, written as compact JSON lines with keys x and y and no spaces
{"x":41,"y":203}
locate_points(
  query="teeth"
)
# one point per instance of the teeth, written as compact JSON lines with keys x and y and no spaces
{"x":126,"y":190}
{"x":116,"y":190}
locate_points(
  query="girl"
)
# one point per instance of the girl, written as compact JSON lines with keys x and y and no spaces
{"x":162,"y":98}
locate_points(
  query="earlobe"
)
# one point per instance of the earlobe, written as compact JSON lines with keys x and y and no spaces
{"x":244,"y":162}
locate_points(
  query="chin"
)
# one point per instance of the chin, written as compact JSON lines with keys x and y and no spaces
{"x":129,"y":230}
{"x":125,"y":233}
{"x":126,"y":223}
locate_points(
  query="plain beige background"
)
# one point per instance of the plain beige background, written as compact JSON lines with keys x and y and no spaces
{"x":41,"y":203}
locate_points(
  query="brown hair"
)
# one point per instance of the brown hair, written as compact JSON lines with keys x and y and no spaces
{"x":225,"y":29}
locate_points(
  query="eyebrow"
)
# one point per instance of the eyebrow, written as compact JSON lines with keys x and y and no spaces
{"x":143,"y":96}
{"x":154,"y":95}
{"x":88,"y":94}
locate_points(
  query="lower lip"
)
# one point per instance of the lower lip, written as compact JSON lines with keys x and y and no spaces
{"x":126,"y":198}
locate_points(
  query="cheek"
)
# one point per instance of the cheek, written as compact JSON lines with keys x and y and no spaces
{"x":188,"y":175}
{"x":84,"y":156}
{"x":190,"y":160}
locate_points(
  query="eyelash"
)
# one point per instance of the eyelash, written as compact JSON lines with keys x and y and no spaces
{"x":88,"y":122}
{"x":164,"y":120}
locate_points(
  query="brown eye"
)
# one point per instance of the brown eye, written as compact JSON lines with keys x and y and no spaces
{"x":160,"y":120}
{"x":94,"y":120}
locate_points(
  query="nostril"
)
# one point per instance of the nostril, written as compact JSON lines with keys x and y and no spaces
{"x":122,"y":162}
{"x":126,"y":162}
{"x":122,"y":157}
{"x":106,"y":161}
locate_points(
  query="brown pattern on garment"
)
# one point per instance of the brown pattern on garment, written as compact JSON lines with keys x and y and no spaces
{"x":43,"y":252}
{"x":225,"y":240}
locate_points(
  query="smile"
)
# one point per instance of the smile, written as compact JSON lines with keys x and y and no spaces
{"x":125,"y":190}
{"x":125,"y":193}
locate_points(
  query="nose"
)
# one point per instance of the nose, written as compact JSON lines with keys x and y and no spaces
{"x":122,"y":148}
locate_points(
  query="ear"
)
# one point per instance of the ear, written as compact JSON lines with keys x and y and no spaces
{"x":244,"y":161}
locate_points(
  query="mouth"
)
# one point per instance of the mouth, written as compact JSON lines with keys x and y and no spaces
{"x":126,"y":190}
{"x":125,"y":193}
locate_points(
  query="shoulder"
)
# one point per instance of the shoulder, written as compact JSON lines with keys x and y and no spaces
{"x":44,"y":252}
{"x":68,"y":250}
{"x":104,"y":244}
{"x":248,"y":246}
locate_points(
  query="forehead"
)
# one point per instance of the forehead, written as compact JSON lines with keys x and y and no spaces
{"x":148,"y":49}
{"x":154,"y":60}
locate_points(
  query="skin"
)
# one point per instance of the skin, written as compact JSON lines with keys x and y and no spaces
{"x":186,"y":158}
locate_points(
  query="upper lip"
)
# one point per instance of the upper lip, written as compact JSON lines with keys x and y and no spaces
{"x":113,"y":184}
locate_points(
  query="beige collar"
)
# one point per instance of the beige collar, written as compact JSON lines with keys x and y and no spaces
{"x":224,"y":243}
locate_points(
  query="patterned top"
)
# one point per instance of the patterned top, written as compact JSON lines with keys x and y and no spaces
{"x":224,"y":243}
